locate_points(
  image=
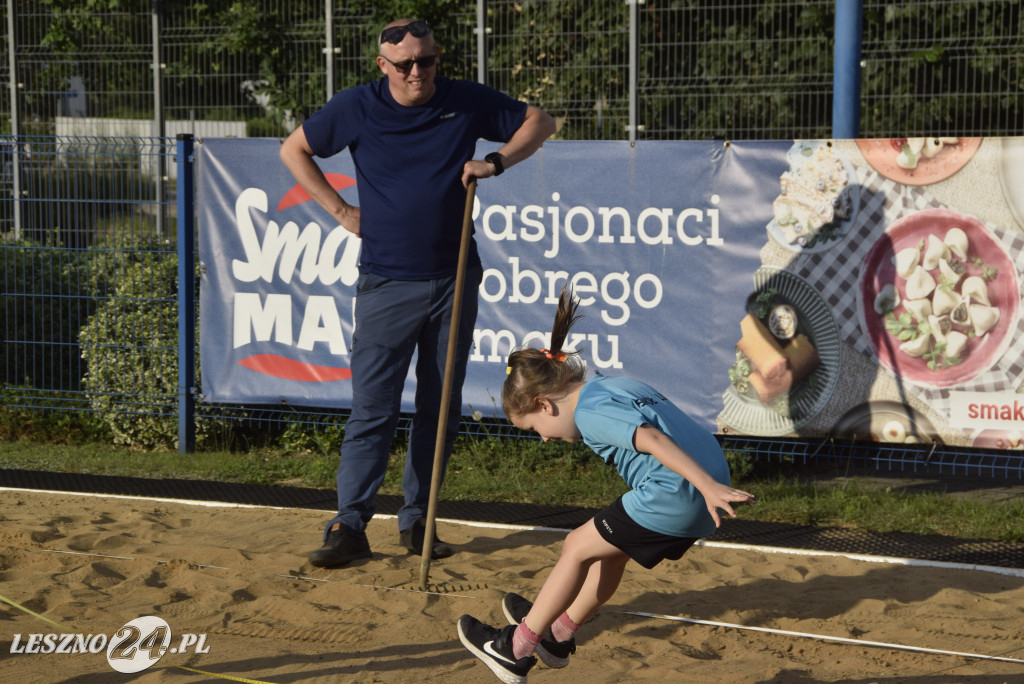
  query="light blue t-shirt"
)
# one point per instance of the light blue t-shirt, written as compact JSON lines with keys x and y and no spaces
{"x":608,"y":412}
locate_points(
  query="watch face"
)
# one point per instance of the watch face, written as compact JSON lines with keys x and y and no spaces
{"x":495,"y":158}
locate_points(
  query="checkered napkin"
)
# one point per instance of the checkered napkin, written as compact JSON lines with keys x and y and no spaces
{"x":835,"y":274}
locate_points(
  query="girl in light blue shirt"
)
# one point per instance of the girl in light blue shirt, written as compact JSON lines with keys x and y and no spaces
{"x":678,"y":480}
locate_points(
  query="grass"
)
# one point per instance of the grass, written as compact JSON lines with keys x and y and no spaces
{"x":528,"y":471}
{"x":885,"y":507}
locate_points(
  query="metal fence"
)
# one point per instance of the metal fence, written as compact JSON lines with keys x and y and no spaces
{"x":89,"y":210}
{"x":98,"y":318}
{"x":628,"y":69}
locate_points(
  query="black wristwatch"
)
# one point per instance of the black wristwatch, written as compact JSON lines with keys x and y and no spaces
{"x":495,"y":158}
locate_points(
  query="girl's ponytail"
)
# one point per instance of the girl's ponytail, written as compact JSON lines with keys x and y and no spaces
{"x":534,"y":373}
{"x":565,"y":318}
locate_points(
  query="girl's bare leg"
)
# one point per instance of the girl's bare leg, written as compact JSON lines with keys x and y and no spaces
{"x":602,"y":581}
{"x":585,"y":554}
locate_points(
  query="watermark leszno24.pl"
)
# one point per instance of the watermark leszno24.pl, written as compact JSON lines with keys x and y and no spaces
{"x":137,"y":645}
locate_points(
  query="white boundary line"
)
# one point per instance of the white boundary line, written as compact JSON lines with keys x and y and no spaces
{"x":911,"y":562}
{"x":227,"y":504}
{"x":822,"y":637}
{"x":193,"y":502}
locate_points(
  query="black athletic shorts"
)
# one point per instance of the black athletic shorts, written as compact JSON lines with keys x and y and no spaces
{"x":646,"y":547}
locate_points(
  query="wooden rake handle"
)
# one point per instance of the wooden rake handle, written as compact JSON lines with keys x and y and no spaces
{"x":446,"y":387}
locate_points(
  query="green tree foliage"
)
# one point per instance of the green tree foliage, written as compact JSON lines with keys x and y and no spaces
{"x":743,"y":71}
{"x":934,"y":68}
{"x":90,"y":39}
{"x":750,"y":77}
{"x":566,"y":58}
{"x":261,"y":43}
{"x":237,"y":46}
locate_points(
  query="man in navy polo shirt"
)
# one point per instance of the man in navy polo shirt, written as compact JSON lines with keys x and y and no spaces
{"x":412,"y":136}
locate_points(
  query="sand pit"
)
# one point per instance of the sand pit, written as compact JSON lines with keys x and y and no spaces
{"x":239,"y":576}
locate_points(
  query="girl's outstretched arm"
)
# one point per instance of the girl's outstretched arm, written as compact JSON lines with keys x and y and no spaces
{"x":649,"y":439}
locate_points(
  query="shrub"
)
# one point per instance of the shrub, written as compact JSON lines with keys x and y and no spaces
{"x":130,"y":346}
{"x":26,"y":413}
{"x":44,"y":300}
{"x":265,"y":127}
{"x":741,"y":464}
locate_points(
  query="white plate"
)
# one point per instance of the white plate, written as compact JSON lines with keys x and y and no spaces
{"x":749,"y":416}
{"x":794,"y":154}
{"x":868,"y":420}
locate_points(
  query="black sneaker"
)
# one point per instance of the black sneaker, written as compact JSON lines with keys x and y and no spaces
{"x":341,"y":547}
{"x":412,"y":539}
{"x":553,"y":653}
{"x":494,"y":648}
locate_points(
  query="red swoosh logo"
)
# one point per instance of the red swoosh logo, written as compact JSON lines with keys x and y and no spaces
{"x":297,"y":195}
{"x":290,"y":369}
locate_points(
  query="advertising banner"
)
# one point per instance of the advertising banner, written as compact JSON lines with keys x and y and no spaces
{"x":860,"y":288}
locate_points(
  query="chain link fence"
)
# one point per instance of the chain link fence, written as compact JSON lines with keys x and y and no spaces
{"x":93,"y":94}
{"x":629,"y":69}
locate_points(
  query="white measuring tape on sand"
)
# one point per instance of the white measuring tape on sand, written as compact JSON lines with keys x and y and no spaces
{"x":820,"y":637}
{"x":894,"y":560}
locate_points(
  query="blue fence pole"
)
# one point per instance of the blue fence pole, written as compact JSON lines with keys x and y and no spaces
{"x":186,"y":297}
{"x":846,"y":69}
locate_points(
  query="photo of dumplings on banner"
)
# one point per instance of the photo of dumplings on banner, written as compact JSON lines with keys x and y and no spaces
{"x":907,"y":255}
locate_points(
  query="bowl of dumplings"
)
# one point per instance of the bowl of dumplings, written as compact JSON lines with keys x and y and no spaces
{"x":998,"y":439}
{"x":939,"y":297}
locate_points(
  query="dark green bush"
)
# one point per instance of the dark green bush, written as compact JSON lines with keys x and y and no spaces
{"x":265,"y":127}
{"x":26,"y":414}
{"x":741,"y":464}
{"x":117,"y":247}
{"x":45,"y":300}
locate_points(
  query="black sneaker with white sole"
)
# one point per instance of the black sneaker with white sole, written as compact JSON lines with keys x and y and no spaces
{"x":494,"y":648}
{"x":553,"y":653}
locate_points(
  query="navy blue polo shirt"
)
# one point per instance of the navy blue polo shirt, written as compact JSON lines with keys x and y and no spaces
{"x":409,"y":168}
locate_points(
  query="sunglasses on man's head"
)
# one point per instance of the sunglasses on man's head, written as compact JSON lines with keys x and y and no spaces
{"x":405,"y":66}
{"x":395,"y":34}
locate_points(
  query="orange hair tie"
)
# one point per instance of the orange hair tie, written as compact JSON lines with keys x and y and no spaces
{"x":560,"y":356}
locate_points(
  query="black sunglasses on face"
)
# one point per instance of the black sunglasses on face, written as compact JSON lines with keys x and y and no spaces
{"x":405,"y":66}
{"x":395,"y":34}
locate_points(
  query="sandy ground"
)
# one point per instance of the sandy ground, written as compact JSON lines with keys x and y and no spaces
{"x":240,"y":577}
